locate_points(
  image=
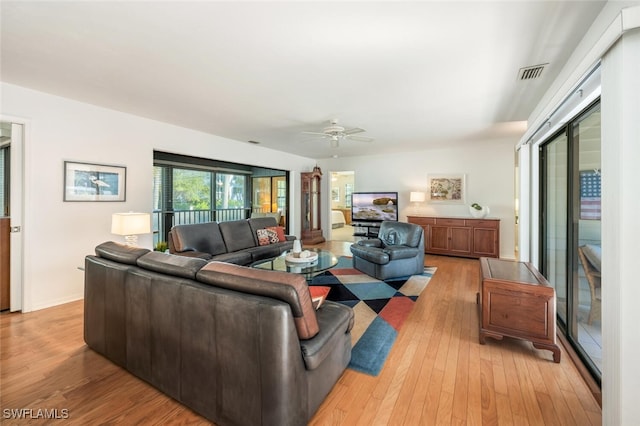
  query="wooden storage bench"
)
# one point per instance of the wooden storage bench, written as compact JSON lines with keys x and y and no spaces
{"x":515,"y":300}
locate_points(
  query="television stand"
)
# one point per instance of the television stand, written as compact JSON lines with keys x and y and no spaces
{"x":366,"y":230}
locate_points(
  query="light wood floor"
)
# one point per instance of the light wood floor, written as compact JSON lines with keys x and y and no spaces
{"x":437,"y":373}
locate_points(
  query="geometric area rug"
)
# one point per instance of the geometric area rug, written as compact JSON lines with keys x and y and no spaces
{"x":380,"y":309}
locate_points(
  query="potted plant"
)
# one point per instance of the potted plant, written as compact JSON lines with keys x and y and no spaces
{"x":478,"y":211}
{"x":161,"y":246}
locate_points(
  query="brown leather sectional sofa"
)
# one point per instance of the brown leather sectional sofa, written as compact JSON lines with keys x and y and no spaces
{"x":239,"y":346}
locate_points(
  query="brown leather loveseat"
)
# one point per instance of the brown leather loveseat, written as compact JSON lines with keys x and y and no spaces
{"x":239,"y":346}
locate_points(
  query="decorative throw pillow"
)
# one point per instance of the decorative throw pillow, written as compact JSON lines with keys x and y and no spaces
{"x":318,"y":295}
{"x":280,"y":231}
{"x":267,"y":236}
{"x":263,"y":237}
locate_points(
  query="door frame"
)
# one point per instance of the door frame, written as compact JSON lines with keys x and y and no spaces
{"x":18,"y":301}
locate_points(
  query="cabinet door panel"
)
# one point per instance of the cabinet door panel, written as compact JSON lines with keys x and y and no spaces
{"x":484,"y":242}
{"x":439,"y":237}
{"x":460,"y":240}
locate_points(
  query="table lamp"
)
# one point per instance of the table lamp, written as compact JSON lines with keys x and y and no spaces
{"x":130,"y":225}
{"x":416,"y":198}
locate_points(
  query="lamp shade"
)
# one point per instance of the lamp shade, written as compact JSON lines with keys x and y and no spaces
{"x":130,"y":223}
{"x":417,"y":197}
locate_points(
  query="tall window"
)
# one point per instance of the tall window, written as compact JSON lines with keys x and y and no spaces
{"x":196,"y":190}
{"x":571,"y":231}
{"x":230,"y":191}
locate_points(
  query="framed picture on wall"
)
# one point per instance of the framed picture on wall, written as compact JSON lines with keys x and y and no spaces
{"x":447,"y":188}
{"x":94,"y":182}
{"x":335,"y":194}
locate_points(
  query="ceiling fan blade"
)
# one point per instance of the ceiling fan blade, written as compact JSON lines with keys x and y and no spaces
{"x":359,"y":138}
{"x":324,"y":135}
{"x":353,"y":131}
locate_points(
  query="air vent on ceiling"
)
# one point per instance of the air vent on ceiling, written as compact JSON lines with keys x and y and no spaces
{"x":530,"y":73}
{"x":254,"y":142}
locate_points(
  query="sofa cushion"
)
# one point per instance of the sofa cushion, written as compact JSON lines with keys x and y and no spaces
{"x":270,"y":251}
{"x":237,"y":235}
{"x":179,"y":266}
{"x":202,"y":237}
{"x":289,"y":288}
{"x":238,"y":257}
{"x":120,"y":252}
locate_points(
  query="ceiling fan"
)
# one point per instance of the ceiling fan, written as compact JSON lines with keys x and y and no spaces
{"x":335,"y":133}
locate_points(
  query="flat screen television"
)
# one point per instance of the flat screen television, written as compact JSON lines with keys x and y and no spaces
{"x":374,"y":206}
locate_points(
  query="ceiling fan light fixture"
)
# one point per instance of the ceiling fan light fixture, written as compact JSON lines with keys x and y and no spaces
{"x":335,"y":133}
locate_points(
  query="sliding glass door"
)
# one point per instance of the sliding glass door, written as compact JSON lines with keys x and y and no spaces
{"x":571,"y":231}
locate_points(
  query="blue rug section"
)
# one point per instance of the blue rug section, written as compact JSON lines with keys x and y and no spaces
{"x":368,"y":291}
{"x":344,"y":262}
{"x":370,"y":353}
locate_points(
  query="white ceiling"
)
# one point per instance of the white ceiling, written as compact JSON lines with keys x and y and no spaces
{"x":413,"y":74}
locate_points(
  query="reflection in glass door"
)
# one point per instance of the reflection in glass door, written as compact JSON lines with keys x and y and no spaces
{"x":554,"y":157}
{"x":586,"y":280}
{"x":571,"y":231}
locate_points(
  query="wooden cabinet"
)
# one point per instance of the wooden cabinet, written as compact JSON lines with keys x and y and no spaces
{"x":460,"y":236}
{"x":515,"y":300}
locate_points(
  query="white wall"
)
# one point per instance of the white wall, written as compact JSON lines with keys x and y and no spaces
{"x":57,"y":235}
{"x":488,"y":166}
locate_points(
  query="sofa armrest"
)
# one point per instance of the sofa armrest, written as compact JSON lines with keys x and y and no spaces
{"x":334,"y":318}
{"x":120,"y":252}
{"x":371,"y":242}
{"x":401,"y":252}
{"x":372,"y":254}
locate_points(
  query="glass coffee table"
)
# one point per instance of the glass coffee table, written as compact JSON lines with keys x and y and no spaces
{"x":326,"y":260}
